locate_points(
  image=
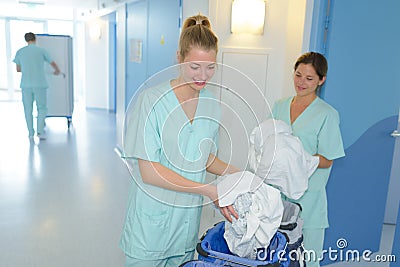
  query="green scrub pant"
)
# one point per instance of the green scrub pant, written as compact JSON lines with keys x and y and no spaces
{"x":39,"y":95}
{"x":313,"y":239}
{"x":168,"y":262}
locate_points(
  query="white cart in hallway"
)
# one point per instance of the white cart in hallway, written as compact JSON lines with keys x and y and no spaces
{"x":60,"y":94}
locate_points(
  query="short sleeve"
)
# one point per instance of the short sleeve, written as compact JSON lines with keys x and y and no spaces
{"x":330,"y":144}
{"x":47,"y":56}
{"x":16,"y":59}
{"x":141,"y":138}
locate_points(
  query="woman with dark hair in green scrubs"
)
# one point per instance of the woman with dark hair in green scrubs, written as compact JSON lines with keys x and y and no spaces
{"x":316,"y":123}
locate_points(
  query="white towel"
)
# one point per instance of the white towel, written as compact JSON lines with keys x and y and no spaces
{"x":278,"y":157}
{"x":260,"y":212}
{"x":230,"y":186}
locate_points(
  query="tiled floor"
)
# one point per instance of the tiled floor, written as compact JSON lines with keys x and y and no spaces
{"x":63,"y":200}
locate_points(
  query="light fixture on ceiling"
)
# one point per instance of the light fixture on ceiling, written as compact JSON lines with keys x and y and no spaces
{"x":248,"y":16}
{"x":32,"y":2}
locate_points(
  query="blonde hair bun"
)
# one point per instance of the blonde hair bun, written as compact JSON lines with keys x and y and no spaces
{"x":197,"y":32}
{"x":196,"y":20}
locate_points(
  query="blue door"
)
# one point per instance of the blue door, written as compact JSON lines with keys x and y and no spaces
{"x":362,"y":47}
{"x":153,"y":28}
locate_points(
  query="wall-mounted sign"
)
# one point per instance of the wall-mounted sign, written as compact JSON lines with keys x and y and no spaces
{"x":135,"y":50}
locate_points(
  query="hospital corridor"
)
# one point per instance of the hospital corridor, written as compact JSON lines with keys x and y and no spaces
{"x":65,"y":190}
{"x":63,"y":200}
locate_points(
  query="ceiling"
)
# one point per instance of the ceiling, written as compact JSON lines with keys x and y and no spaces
{"x":79,"y":4}
{"x":86,"y":9}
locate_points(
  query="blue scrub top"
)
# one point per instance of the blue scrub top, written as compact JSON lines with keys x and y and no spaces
{"x":318,"y":129}
{"x":161,"y":223}
{"x":31,"y":58}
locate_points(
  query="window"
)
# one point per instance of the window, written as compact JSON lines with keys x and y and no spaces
{"x":3,"y":58}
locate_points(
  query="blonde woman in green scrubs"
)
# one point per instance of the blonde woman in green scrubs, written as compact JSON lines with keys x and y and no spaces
{"x":170,"y":143}
{"x":316,"y":123}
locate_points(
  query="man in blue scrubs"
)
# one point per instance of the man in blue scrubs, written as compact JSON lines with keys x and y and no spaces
{"x":30,"y":61}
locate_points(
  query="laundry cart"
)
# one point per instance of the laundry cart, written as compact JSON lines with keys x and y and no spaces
{"x":214,"y":251}
{"x":60,"y":94}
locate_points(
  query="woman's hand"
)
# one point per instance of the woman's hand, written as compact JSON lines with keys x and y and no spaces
{"x":228,"y":212}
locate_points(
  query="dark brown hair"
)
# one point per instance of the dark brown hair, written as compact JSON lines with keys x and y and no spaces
{"x":317,"y":60}
{"x":30,"y":36}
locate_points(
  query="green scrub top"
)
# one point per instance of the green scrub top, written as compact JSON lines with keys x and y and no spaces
{"x":161,"y":223}
{"x":318,"y":129}
{"x":31,"y":58}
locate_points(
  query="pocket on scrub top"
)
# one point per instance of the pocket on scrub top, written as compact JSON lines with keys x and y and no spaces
{"x":150,"y":229}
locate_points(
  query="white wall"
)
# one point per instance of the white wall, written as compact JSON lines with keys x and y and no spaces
{"x":194,"y":7}
{"x":97,"y":65}
{"x":283,"y":37}
{"x":294,"y":41}
{"x":121,"y":74}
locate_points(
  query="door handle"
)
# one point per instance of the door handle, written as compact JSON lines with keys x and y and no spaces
{"x":395,"y":133}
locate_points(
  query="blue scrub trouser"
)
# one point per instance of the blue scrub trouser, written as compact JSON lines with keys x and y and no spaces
{"x":313,"y":243}
{"x":40,"y":96}
{"x":168,"y":262}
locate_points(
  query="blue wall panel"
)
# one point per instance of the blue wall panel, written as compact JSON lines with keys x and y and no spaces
{"x":317,"y":27}
{"x":357,"y":190}
{"x":363,"y":55}
{"x":163,"y":34}
{"x":136,"y":29}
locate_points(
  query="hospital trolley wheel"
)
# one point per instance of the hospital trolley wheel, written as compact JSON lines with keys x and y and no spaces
{"x":69,"y":122}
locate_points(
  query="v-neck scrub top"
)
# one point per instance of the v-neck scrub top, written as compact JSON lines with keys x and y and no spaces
{"x":318,"y":129}
{"x":161,"y":223}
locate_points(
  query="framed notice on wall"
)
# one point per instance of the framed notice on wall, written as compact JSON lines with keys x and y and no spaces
{"x":135,"y":50}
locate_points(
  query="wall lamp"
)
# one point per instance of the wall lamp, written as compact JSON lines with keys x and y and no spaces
{"x":248,"y":16}
{"x":95,"y":30}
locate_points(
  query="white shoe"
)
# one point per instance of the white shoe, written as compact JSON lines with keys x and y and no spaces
{"x":42,"y":136}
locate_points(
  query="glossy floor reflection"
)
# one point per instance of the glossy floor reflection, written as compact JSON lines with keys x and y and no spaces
{"x":62,"y":200}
